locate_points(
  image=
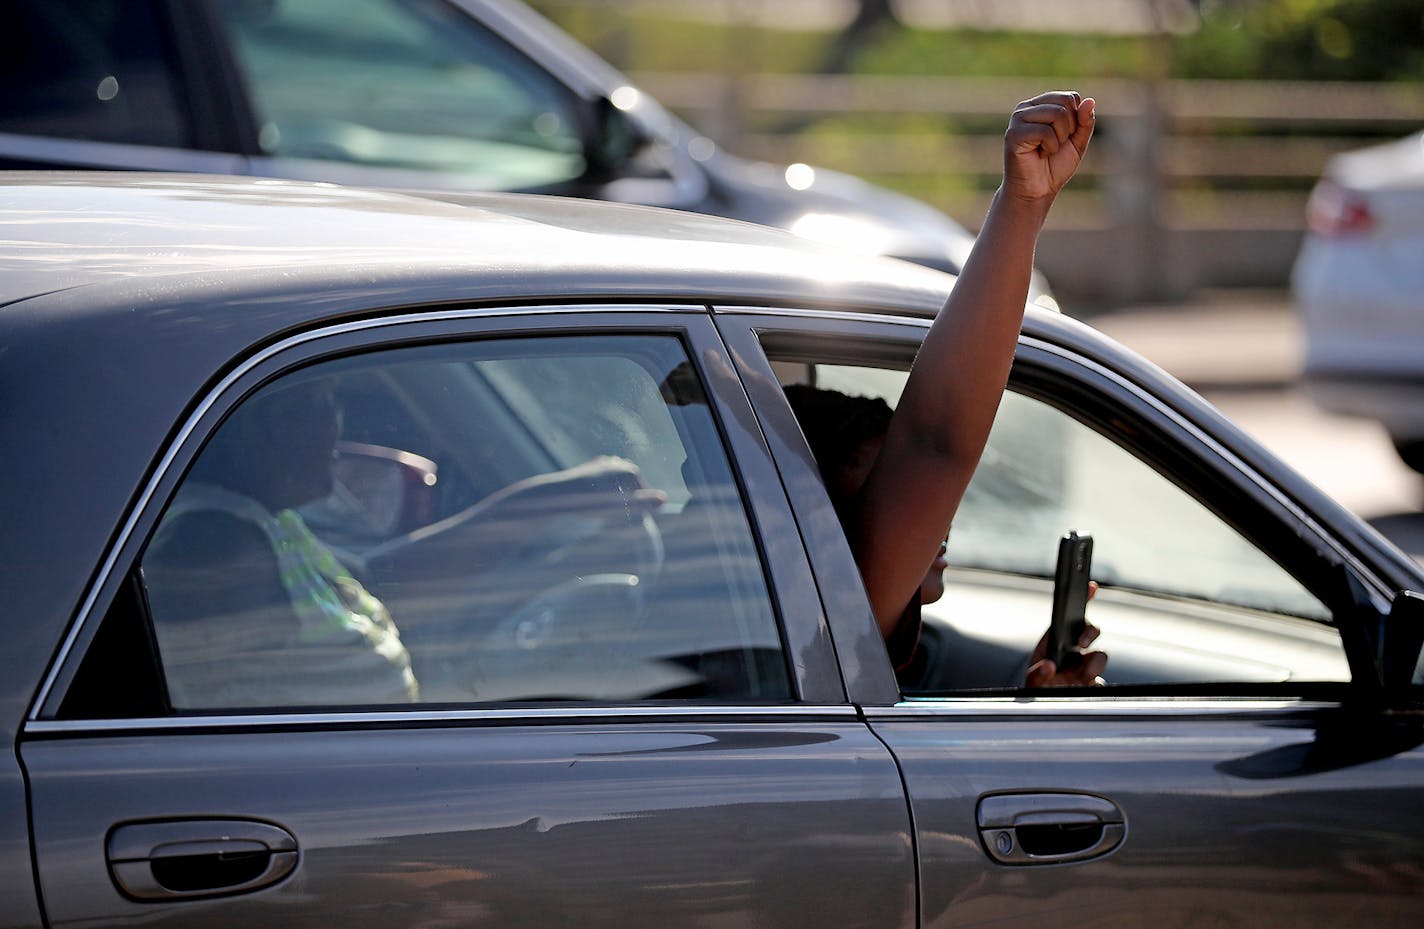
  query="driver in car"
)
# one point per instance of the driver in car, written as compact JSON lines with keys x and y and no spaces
{"x":249,"y":607}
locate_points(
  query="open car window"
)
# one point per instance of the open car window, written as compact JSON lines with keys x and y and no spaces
{"x":1185,"y":599}
{"x":502,"y":521}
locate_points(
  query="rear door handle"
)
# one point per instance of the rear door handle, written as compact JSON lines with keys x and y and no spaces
{"x":1049,"y":828}
{"x":153,"y":861}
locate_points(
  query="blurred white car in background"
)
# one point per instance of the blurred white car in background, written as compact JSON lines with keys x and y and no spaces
{"x":1359,"y":287}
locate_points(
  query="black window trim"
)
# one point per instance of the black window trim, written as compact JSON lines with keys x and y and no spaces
{"x":438,"y":717}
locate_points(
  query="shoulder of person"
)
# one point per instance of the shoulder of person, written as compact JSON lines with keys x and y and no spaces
{"x":201,"y":537}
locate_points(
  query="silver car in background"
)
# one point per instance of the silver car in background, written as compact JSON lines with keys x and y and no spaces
{"x":1359,"y":286}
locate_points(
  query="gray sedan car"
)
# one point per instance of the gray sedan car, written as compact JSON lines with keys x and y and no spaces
{"x":383,"y":562}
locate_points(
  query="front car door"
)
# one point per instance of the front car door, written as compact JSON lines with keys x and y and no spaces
{"x":1241,"y":766}
{"x":476,"y":620}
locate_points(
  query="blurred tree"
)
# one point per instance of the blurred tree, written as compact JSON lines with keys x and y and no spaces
{"x":871,"y":19}
{"x":1347,"y":40}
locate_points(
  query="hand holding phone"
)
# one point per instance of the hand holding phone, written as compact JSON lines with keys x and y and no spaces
{"x":1070,"y":594}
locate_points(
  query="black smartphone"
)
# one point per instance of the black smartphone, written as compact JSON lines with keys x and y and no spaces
{"x":1070,"y":594}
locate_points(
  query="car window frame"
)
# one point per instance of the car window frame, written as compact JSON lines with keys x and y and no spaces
{"x":1358,"y":599}
{"x":813,"y":671}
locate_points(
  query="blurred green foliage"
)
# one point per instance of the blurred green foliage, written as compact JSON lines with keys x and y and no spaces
{"x":967,"y":52}
{"x":1321,"y":40}
{"x":1367,"y":40}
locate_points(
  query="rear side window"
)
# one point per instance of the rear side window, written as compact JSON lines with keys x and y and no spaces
{"x":513,"y":520}
{"x":102,"y":70}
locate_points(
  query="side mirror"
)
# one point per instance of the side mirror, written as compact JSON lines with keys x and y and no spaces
{"x":610,"y":139}
{"x":377,"y":494}
{"x":1403,"y":640}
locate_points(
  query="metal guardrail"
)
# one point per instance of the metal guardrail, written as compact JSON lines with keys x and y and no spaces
{"x":1181,"y":132}
{"x":1295,"y":102}
{"x":1183,"y":168}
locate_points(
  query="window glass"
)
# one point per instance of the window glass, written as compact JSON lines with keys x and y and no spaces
{"x":90,"y":69}
{"x":522,"y":519}
{"x":402,"y":84}
{"x":1184,"y":599}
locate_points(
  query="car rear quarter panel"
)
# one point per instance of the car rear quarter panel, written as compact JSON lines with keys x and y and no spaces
{"x":18,"y":909}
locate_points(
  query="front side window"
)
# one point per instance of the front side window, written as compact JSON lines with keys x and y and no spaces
{"x":103,"y":70}
{"x":1184,"y":598}
{"x":408,"y":84}
{"x":513,"y":520}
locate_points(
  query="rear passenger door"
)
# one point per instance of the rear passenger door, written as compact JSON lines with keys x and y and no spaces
{"x":483,"y":620}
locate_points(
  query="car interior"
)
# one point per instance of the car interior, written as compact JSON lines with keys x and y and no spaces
{"x":1186,"y":602}
{"x":534,"y":539}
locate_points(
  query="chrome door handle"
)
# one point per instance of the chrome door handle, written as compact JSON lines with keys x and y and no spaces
{"x":1049,"y":828}
{"x":153,"y":861}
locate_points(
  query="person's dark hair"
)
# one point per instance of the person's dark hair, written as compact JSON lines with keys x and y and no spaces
{"x":233,"y":459}
{"x":835,"y":424}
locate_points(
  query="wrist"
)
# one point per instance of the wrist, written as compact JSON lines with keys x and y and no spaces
{"x":1021,"y":207}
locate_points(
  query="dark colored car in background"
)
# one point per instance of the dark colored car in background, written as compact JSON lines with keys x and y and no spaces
{"x":616,"y":667}
{"x":439,"y":95}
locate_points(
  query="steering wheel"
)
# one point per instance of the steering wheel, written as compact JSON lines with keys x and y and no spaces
{"x":564,"y":642}
{"x":555,"y":550}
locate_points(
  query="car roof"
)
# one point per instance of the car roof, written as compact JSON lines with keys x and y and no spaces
{"x":138,"y":235}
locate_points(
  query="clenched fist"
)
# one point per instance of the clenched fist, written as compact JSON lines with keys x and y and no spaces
{"x":1044,"y":144}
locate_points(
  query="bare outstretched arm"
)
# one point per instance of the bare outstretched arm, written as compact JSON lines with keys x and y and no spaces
{"x":943,"y":419}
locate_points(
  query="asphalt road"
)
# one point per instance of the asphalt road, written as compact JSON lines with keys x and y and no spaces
{"x":1242,"y":352}
{"x":1351,"y":459}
